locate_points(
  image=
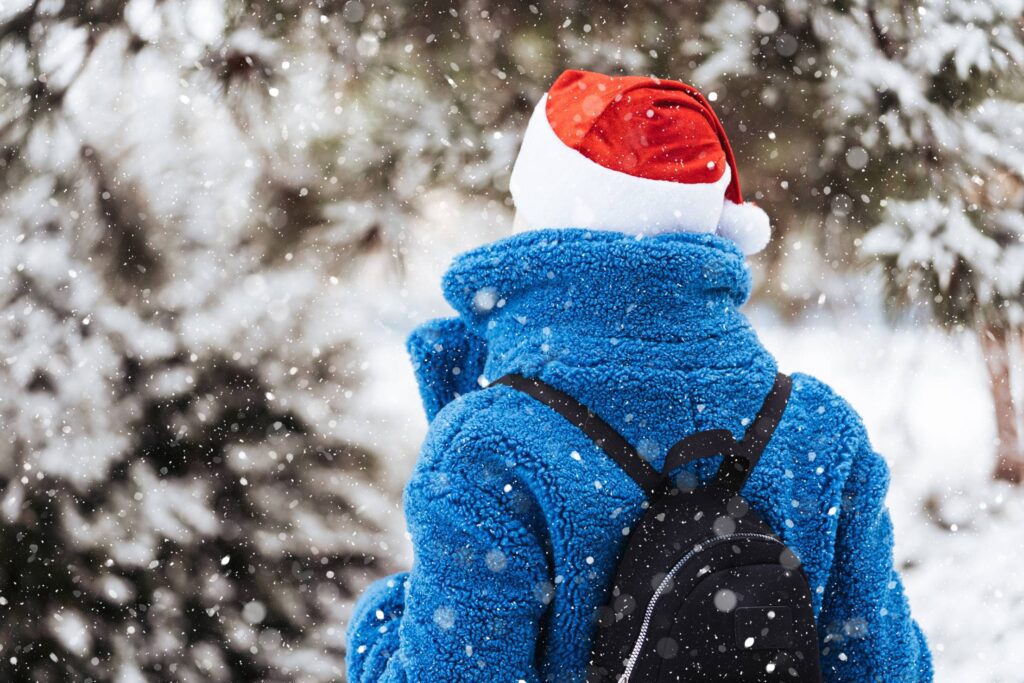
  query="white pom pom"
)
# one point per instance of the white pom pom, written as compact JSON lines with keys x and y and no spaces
{"x":746,"y":225}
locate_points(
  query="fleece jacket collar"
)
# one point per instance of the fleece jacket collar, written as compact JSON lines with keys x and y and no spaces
{"x":623,"y":324}
{"x":533,"y":298}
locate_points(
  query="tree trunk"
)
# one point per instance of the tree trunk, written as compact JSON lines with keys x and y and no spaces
{"x":996,"y":344}
{"x":1017,"y":373}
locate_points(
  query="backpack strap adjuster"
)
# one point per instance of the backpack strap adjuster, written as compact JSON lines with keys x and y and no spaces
{"x":742,"y":459}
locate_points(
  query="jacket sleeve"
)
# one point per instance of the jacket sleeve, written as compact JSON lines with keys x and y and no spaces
{"x":373,"y":628}
{"x":868,"y":632}
{"x":469,"y":609}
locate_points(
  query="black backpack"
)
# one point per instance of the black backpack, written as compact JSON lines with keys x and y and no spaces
{"x":704,"y":590}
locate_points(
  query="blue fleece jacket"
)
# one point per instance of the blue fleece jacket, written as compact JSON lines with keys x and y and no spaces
{"x":517,"y":519}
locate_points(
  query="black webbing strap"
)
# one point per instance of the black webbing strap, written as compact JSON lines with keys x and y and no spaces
{"x":699,"y":445}
{"x":600,"y":432}
{"x":744,"y":456}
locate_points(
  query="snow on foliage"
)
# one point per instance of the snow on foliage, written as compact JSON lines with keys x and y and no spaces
{"x":206,"y":210}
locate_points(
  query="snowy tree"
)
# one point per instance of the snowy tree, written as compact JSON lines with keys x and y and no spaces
{"x":901,"y":125}
{"x":952,"y":129}
{"x":189,"y":190}
{"x":186,"y":488}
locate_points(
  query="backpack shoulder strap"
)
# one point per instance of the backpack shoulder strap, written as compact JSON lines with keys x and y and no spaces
{"x":600,"y":432}
{"x":740,"y":456}
{"x":738,"y":464}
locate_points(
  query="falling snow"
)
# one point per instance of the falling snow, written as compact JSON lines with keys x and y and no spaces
{"x":219,"y":222}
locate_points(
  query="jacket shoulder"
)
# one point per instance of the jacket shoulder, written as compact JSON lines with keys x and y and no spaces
{"x":824,"y":405}
{"x":470,"y":465}
{"x":827,"y":420}
{"x":470,"y":431}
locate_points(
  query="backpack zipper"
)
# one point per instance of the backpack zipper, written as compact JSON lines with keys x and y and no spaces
{"x":634,"y":656}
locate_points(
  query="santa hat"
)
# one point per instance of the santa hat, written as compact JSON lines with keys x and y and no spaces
{"x":632,"y":154}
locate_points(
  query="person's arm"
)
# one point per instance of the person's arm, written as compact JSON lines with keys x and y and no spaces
{"x":470,"y":608}
{"x":373,"y":630}
{"x":868,"y":632}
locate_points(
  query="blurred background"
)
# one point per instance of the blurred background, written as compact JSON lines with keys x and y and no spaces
{"x":220,"y":218}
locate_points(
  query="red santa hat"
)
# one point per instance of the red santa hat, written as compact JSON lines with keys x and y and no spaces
{"x":632,"y":154}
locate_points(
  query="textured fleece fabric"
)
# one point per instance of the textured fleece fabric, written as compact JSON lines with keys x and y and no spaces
{"x":517,"y":519}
